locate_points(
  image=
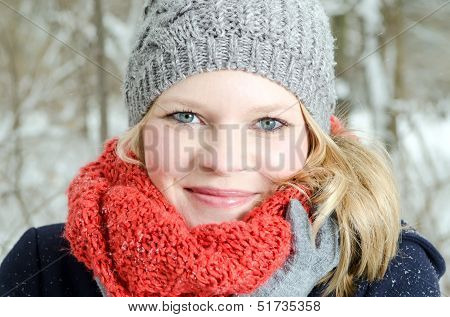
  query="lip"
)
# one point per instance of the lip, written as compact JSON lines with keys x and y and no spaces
{"x":220,"y":198}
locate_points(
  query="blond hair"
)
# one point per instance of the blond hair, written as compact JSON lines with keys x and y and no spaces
{"x":348,"y":179}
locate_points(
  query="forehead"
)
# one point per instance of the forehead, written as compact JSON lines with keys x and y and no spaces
{"x":231,"y":91}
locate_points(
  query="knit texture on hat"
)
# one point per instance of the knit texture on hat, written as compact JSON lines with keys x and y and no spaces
{"x":137,"y":244}
{"x":287,"y":41}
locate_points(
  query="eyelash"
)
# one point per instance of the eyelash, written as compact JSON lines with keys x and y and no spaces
{"x":183,"y":110}
{"x":187,"y":110}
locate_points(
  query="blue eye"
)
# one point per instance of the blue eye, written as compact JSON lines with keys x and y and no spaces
{"x":270,"y":124}
{"x":184,"y":117}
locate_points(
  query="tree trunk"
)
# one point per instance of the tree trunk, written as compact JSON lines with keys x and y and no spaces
{"x":101,"y":78}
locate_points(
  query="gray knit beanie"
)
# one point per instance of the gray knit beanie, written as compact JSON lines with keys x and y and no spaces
{"x":287,"y":41}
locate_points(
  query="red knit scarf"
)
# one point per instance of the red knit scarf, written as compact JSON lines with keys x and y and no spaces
{"x":124,"y":230}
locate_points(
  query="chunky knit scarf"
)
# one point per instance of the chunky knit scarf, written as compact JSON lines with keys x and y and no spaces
{"x":137,"y":244}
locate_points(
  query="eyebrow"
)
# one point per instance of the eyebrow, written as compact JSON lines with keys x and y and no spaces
{"x":255,"y":109}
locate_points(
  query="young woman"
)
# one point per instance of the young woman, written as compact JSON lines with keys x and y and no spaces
{"x":234,"y":179}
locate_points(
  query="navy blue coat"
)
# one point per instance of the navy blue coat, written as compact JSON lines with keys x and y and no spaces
{"x":40,"y":264}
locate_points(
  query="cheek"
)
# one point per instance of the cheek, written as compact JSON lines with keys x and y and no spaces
{"x":166,"y":151}
{"x":283,"y":157}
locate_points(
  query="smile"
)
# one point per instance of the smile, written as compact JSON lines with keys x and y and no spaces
{"x":220,"y":198}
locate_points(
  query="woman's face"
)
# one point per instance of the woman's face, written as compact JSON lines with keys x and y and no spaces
{"x":215,"y":143}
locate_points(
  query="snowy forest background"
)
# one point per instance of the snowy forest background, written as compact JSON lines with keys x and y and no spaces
{"x":57,"y":106}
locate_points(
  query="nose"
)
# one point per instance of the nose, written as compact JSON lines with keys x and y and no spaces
{"x":224,"y":150}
